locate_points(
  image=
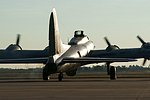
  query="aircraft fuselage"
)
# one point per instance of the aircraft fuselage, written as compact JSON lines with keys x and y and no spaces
{"x":75,"y":51}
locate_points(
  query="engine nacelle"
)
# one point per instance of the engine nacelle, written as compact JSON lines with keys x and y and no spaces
{"x":13,"y":47}
{"x":112,"y":47}
{"x":146,"y":46}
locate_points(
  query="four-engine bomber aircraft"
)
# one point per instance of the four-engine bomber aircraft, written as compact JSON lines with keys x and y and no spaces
{"x":58,"y":57}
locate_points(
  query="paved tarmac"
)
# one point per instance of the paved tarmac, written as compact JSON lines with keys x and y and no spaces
{"x":76,"y":89}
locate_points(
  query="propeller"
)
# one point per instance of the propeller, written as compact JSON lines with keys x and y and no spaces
{"x":18,"y":39}
{"x":107,"y":41}
{"x":145,"y":45}
{"x":141,"y":40}
{"x":144,"y":61}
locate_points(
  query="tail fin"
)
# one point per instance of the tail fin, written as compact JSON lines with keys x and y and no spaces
{"x":54,"y":35}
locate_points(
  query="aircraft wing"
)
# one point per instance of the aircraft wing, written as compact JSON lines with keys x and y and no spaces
{"x":24,"y":60}
{"x":96,"y":60}
{"x":87,"y":60}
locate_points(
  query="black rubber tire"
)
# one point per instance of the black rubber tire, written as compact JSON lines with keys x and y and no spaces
{"x":45,"y":75}
{"x":113,"y":73}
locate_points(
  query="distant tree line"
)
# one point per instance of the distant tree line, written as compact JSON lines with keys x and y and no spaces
{"x":103,"y":68}
{"x":97,"y":68}
{"x":30,"y":70}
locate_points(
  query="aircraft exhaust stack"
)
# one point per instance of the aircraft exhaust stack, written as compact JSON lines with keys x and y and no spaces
{"x":54,"y":35}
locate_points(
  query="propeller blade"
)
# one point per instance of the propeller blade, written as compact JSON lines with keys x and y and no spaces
{"x":18,"y":39}
{"x":107,"y":41}
{"x":141,"y":40}
{"x":144,"y":62}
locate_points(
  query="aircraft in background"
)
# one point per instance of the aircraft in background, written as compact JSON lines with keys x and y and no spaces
{"x":58,"y":57}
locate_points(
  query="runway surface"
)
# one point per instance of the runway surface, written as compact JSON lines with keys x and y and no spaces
{"x":76,"y":89}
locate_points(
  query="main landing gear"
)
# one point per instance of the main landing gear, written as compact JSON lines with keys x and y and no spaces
{"x":45,"y":75}
{"x":112,"y":73}
{"x":111,"y":70}
{"x":108,"y":68}
{"x":60,"y":76}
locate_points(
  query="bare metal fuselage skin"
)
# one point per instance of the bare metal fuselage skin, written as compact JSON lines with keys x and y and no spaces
{"x":74,"y":51}
{"x":80,"y":46}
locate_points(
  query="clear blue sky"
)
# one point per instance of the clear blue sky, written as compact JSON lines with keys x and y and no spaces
{"x":120,"y":20}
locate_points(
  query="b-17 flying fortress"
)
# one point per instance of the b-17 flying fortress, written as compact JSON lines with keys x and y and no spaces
{"x":67,"y":58}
